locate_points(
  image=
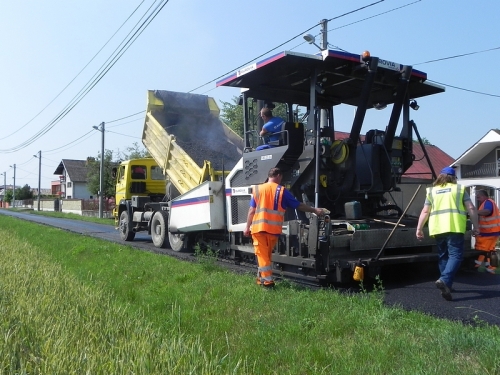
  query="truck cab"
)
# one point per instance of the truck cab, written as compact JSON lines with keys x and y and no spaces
{"x":138,"y":181}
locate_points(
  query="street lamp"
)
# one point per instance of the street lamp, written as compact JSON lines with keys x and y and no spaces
{"x":39,"y":157}
{"x":324,"y":36}
{"x":14,"y":188}
{"x":101,"y":174}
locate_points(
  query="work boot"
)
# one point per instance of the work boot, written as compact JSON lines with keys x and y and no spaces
{"x":445,"y":291}
{"x":480,"y":262}
{"x":268,"y":285}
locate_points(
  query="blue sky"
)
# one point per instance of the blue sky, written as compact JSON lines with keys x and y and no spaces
{"x":49,"y":55}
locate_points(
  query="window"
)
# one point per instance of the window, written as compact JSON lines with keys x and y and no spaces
{"x":69,"y":184}
{"x":138,"y":172}
{"x":157,"y":173}
{"x":121,"y":172}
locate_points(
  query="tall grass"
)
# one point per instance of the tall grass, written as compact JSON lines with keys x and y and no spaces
{"x":52,"y":323}
{"x":89,"y":306}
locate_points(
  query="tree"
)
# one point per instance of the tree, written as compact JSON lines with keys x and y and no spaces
{"x":425,"y":141}
{"x":94,"y":176}
{"x":24,"y":193}
{"x":134,"y":152}
{"x":8,"y":196}
{"x":21,"y":194}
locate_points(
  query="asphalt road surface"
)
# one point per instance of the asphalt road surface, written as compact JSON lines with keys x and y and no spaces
{"x":476,"y":296}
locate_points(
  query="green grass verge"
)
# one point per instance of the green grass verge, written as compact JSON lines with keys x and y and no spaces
{"x":64,"y":215}
{"x":73,"y":305}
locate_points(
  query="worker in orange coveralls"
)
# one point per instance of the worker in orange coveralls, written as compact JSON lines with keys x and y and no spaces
{"x":489,"y":229}
{"x":265,"y":217}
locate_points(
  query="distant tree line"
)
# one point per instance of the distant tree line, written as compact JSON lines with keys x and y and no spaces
{"x":21,"y":194}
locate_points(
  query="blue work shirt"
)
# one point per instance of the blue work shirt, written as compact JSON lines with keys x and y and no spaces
{"x":273,"y":126}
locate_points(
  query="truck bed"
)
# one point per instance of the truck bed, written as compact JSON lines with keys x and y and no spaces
{"x":185,"y":136}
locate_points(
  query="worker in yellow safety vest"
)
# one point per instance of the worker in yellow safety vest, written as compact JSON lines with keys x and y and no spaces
{"x":489,"y":228}
{"x":446,"y":206}
{"x":265,"y":220}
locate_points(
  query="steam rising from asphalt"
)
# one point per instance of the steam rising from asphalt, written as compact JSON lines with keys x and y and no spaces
{"x":201,"y":134}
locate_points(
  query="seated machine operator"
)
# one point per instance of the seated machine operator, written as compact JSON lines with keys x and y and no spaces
{"x":271,"y":125}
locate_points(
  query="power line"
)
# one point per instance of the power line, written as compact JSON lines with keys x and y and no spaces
{"x":90,"y":85}
{"x":125,"y":135}
{"x":468,"y":90}
{"x":86,"y":135}
{"x":90,"y":133}
{"x":457,"y":56}
{"x":289,"y":40}
{"x":123,"y":118}
{"x":336,"y":28}
{"x":376,"y":15}
{"x":78,"y":74}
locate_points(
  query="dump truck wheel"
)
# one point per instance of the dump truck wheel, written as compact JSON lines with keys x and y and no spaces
{"x":159,"y":225}
{"x":176,"y":241}
{"x":124,"y":227}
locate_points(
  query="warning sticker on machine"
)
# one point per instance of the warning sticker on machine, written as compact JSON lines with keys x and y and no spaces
{"x":240,"y":191}
{"x":266,"y":157}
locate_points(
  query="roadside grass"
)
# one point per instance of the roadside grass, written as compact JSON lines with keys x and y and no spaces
{"x":65,"y":215}
{"x":73,"y":304}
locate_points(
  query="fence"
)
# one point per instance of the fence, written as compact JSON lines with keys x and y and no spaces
{"x":84,"y":207}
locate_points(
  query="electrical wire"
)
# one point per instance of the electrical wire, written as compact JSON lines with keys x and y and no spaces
{"x":71,"y":143}
{"x":88,"y":87}
{"x":461,"y":88}
{"x":278,"y":46}
{"x":337,"y":17}
{"x":77,"y":75}
{"x":125,"y":135}
{"x":103,"y":71}
{"x":457,"y":56}
{"x":336,"y":47}
{"x":123,"y":118}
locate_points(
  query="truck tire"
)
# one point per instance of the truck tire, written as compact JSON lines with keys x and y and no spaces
{"x":177,"y":241}
{"x":159,"y":225}
{"x":126,"y":234}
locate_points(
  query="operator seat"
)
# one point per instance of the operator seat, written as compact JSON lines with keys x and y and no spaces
{"x":293,"y":137}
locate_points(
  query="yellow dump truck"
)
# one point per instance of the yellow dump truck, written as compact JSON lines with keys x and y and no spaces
{"x":189,"y":145}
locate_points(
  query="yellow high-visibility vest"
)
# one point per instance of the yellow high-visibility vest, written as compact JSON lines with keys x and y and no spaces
{"x":448,"y":213}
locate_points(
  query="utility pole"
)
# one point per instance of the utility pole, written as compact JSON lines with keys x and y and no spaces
{"x":4,"y":187}
{"x":101,"y":175}
{"x":39,"y":175}
{"x":324,"y":32}
{"x":14,"y":188}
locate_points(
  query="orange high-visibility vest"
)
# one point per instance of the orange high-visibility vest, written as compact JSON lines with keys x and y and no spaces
{"x":269,"y":214}
{"x":489,"y":224}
